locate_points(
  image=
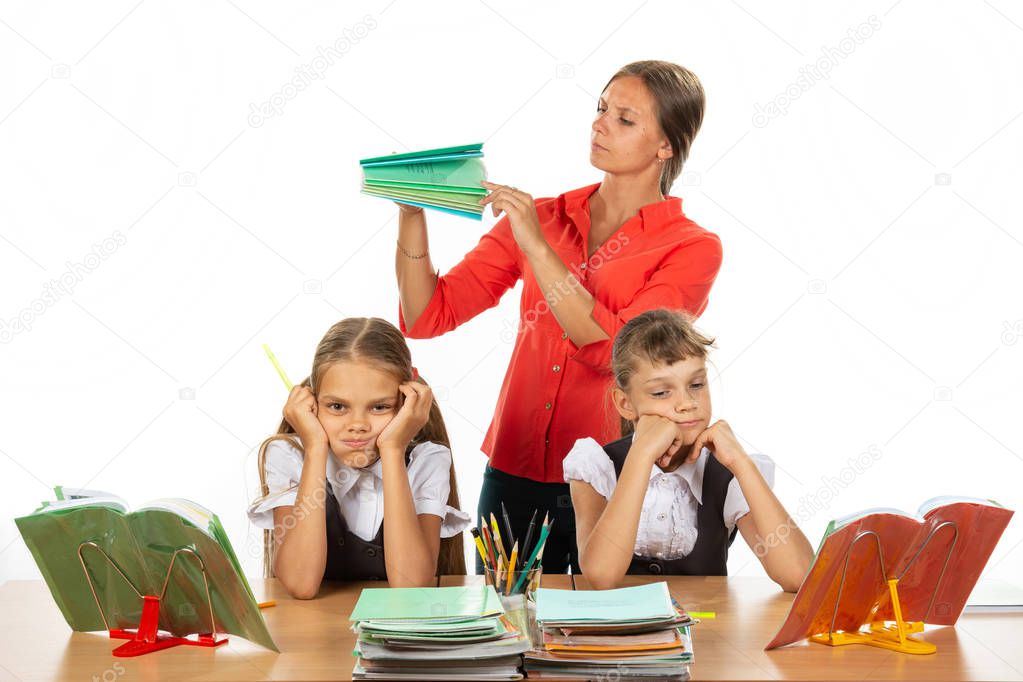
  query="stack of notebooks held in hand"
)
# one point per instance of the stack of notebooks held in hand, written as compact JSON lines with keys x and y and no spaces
{"x":632,"y":632}
{"x":435,"y":633}
{"x":446,"y":179}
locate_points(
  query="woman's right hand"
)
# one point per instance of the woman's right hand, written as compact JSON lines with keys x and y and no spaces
{"x":300,"y":412}
{"x":657,"y":439}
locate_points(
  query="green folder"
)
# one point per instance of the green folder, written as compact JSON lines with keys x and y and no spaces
{"x":140,"y":544}
{"x":442,"y":604}
{"x":387,"y":184}
{"x":475,"y":149}
{"x":449,"y":199}
{"x":435,"y":205}
{"x":463,"y":174}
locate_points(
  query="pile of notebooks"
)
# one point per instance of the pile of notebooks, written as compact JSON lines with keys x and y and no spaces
{"x":633,"y":632}
{"x":446,"y":179}
{"x":435,"y":633}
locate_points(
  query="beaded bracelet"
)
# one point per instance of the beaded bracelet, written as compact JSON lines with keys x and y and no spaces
{"x":409,"y":255}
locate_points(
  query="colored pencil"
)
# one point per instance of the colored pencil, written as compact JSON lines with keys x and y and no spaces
{"x":511,"y":567}
{"x":497,"y":537}
{"x":490,"y":547}
{"x":509,"y":536}
{"x":529,"y":536}
{"x":479,"y":544}
{"x":544,"y":531}
{"x":548,"y":524}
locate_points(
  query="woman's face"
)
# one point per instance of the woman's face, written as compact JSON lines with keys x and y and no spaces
{"x":354,"y":402}
{"x":678,"y":392}
{"x":626,"y":136}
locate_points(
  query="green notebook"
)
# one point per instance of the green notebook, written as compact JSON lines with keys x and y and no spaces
{"x":141,"y":544}
{"x":441,"y":604}
{"x":462,"y":174}
{"x":446,"y":179}
{"x":436,"y":200}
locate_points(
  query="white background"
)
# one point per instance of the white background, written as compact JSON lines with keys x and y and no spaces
{"x":869,"y":299}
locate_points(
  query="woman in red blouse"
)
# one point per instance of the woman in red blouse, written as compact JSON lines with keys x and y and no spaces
{"x":590,"y":259}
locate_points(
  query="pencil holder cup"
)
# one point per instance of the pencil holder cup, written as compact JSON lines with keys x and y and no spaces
{"x":517,"y":584}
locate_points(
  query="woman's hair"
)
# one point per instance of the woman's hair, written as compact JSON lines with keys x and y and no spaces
{"x":680,"y":103}
{"x":377,"y":341}
{"x":659,"y":336}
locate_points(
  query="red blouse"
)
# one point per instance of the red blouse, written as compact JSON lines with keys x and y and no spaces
{"x":555,"y":392}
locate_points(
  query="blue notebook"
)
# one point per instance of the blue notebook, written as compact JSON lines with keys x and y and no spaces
{"x":649,"y":602}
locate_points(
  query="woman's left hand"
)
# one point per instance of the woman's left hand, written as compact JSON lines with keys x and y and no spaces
{"x":411,"y":418}
{"x":720,"y":440}
{"x":521,"y":210}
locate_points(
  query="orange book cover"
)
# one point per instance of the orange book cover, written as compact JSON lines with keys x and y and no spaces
{"x":937,"y":556}
{"x":665,"y":639}
{"x":596,"y":655}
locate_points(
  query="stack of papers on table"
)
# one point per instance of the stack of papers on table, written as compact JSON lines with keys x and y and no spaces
{"x":446,"y":179}
{"x":633,"y":632}
{"x":435,"y":633}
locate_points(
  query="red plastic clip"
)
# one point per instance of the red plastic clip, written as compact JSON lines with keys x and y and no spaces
{"x":147,"y":638}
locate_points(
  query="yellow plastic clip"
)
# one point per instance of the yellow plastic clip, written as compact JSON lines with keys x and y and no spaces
{"x":895,"y":636}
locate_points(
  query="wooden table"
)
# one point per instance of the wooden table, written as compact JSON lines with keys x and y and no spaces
{"x":316,"y":643}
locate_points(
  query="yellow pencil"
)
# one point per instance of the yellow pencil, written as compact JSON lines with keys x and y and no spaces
{"x":266,"y":604}
{"x":511,"y":567}
{"x":497,"y":537}
{"x":479,"y":545}
{"x":277,"y":366}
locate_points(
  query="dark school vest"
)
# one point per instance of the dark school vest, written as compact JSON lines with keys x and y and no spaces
{"x":709,"y":555}
{"x":349,"y":557}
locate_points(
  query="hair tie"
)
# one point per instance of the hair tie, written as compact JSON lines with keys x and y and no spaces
{"x":415,"y":373}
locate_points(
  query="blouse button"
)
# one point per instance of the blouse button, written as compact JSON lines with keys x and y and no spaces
{"x":547,"y":406}
{"x":371,"y":552}
{"x":556,"y":368}
{"x":661,"y":516}
{"x":655,"y":568}
{"x":564,"y":335}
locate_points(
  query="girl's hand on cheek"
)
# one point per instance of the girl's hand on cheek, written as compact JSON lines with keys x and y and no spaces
{"x":720,"y":440}
{"x":410,"y":420}
{"x":301,"y":412}
{"x":657,"y":438}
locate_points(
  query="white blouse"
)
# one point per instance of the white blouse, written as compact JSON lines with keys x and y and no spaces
{"x":359,"y":492}
{"x":667,"y":523}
